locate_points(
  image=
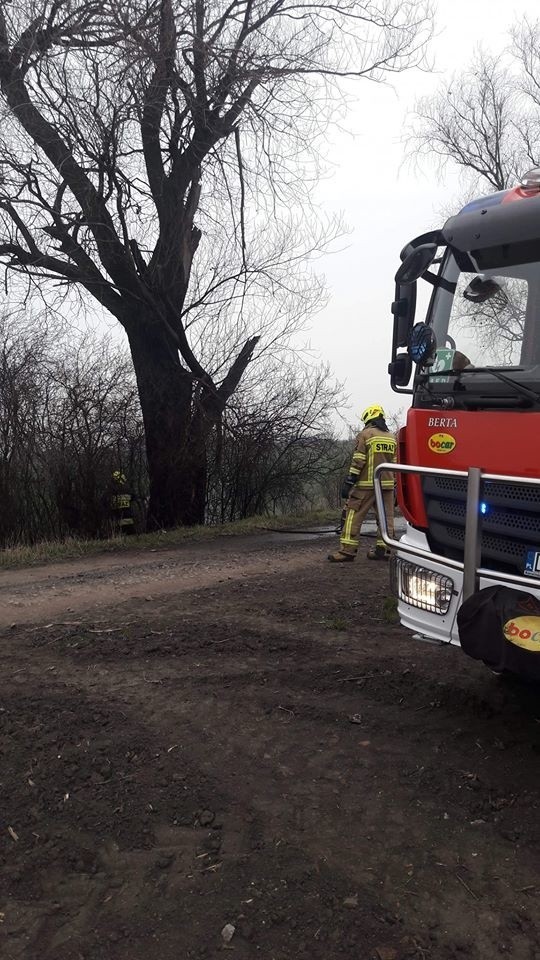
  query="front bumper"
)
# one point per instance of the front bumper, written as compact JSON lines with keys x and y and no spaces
{"x":468,"y":576}
{"x":437,"y":626}
{"x":428,"y":623}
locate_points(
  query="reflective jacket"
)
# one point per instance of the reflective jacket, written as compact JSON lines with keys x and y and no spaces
{"x":373,"y":446}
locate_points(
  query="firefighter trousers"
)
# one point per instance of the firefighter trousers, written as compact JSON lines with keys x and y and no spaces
{"x":360,"y":502}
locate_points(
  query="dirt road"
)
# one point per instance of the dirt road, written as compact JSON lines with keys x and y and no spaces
{"x":227,"y":750}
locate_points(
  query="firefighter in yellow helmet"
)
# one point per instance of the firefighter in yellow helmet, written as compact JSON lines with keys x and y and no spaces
{"x":122,"y":503}
{"x":374,"y":445}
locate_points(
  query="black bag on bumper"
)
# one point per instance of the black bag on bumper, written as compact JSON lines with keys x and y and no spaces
{"x":501,"y":626}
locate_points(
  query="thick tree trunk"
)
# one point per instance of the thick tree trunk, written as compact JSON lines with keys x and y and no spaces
{"x":175,"y":440}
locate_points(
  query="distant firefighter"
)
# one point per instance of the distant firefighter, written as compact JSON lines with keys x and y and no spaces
{"x":121,"y":503}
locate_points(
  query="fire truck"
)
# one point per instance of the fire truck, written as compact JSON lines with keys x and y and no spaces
{"x":467,"y":569}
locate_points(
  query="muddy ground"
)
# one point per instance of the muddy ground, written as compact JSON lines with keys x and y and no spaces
{"x":227,"y":750}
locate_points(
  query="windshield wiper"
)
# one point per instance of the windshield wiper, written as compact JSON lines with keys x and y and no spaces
{"x":517,"y":386}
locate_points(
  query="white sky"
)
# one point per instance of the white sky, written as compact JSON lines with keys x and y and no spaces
{"x":386,"y":203}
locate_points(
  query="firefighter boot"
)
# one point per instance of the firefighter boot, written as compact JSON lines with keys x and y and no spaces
{"x":341,"y":557}
{"x":378,"y":552}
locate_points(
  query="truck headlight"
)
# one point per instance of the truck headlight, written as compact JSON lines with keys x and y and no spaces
{"x":421,"y":587}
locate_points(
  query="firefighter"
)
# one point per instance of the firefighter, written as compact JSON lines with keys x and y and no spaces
{"x":121,"y":504}
{"x":374,"y":445}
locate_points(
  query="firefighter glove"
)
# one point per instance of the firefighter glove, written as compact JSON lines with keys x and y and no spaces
{"x":347,"y":486}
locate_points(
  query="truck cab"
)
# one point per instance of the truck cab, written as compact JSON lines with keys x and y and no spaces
{"x":468,"y":478}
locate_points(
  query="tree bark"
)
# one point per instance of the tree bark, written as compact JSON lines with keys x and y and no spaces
{"x":175,"y":438}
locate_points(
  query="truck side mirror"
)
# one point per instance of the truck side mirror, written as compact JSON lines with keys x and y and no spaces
{"x":481,"y":289}
{"x":416,"y":258}
{"x":400,"y":370}
{"x":416,"y":263}
{"x":403,"y":309}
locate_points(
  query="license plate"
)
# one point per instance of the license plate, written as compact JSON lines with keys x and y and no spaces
{"x":532,"y":563}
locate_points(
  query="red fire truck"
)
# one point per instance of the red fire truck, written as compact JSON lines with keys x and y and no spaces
{"x":467,"y":569}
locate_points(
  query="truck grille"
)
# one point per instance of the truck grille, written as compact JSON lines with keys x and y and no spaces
{"x":510,"y":525}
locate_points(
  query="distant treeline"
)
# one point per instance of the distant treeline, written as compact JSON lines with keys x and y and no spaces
{"x":70,"y":418}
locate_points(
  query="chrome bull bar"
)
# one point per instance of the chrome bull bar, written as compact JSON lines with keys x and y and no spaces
{"x":472,"y":571}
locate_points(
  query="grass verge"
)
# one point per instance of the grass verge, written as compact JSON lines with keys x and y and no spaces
{"x":22,"y":555}
{"x":389,"y":610}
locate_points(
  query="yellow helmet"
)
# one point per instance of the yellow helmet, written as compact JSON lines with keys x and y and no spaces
{"x":371,"y":413}
{"x":118,"y":476}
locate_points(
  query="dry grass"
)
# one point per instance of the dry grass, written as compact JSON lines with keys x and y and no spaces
{"x":389,"y":610}
{"x":22,"y":555}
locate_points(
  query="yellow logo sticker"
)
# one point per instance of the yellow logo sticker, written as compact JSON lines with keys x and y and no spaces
{"x":524,"y":632}
{"x":441,"y":443}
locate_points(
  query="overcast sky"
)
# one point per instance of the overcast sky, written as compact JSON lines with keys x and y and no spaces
{"x":386,"y":203}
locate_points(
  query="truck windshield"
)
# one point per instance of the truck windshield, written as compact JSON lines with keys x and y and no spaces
{"x":490,"y":318}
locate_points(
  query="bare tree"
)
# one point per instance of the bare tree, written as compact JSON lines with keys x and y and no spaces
{"x":69,"y":417}
{"x":129,"y":127}
{"x":276,"y":448}
{"x":91,"y":427}
{"x":525,"y":51}
{"x":474,"y":121}
{"x":21,"y":401}
{"x":486,"y":121}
